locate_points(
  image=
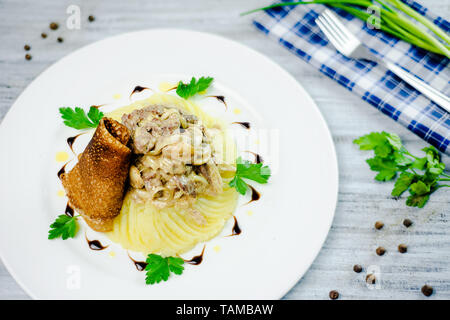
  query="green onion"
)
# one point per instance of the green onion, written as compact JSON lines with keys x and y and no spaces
{"x":397,"y":19}
{"x":417,"y":16}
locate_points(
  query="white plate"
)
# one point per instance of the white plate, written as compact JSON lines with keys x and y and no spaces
{"x":280,"y":239}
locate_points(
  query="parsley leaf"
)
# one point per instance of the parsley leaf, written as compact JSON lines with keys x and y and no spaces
{"x":402,"y":184}
{"x":370,"y":141}
{"x":420,"y":188}
{"x":64,"y":227}
{"x":77,"y":118}
{"x":248,"y":170}
{"x":394,"y":140}
{"x":415,"y":200}
{"x":419,"y":163}
{"x":190,"y":89}
{"x":239,"y":185}
{"x":392,"y":158}
{"x":159,"y":268}
{"x":387,"y":168}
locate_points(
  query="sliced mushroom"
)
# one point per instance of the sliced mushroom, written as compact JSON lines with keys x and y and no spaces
{"x":136,"y":180}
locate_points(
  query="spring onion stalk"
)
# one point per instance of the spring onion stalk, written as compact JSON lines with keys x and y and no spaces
{"x":395,"y":20}
{"x":417,"y":16}
{"x":406,"y":36}
{"x":363,"y":3}
{"x":417,"y":30}
{"x":389,"y":27}
{"x":363,"y":15}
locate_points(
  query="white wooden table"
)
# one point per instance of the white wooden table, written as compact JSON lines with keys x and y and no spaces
{"x":362,"y":201}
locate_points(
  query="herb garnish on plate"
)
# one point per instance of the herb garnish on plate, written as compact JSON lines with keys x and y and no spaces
{"x":159,"y":268}
{"x":78,"y":119}
{"x":64,"y":227}
{"x":195,"y":86}
{"x":248,"y":170}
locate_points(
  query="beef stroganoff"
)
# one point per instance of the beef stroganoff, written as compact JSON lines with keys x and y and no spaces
{"x":179,"y":193}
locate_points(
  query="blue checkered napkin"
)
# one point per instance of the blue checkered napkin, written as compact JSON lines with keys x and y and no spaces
{"x":295,"y":29}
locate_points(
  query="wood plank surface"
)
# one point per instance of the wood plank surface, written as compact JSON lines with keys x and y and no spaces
{"x":362,"y":201}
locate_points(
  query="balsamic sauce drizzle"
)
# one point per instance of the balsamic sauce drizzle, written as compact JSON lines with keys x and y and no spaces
{"x":173,"y":88}
{"x":221,"y":99}
{"x":71,"y":141}
{"x":236,"y":229}
{"x":139,"y":89}
{"x":95,"y":244}
{"x":97,"y":106}
{"x":246,"y":125}
{"x":140,"y":265}
{"x":258,"y":158}
{"x":69,"y":211}
{"x":197,"y":259}
{"x":62,"y":170}
{"x":255,"y":195}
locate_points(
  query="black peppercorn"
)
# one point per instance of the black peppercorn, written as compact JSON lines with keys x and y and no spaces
{"x":370,"y":278}
{"x":407,"y":223}
{"x":27,"y":47}
{"x":357,"y":268}
{"x":28,"y":56}
{"x":334,"y":294}
{"x":402,"y":248}
{"x":427,"y":290}
{"x":91,"y":18}
{"x":43,"y":35}
{"x":60,"y":39}
{"x":379,"y":225}
{"x":54,"y":26}
{"x":380,"y":251}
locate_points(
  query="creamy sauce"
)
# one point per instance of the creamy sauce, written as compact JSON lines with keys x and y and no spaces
{"x":61,"y":193}
{"x":117,"y":96}
{"x":249,"y":213}
{"x":166,"y":86}
{"x":237,"y":111}
{"x":217,"y":249}
{"x":61,"y":156}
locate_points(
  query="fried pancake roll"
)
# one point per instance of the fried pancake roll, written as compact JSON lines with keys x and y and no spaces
{"x":97,"y":183}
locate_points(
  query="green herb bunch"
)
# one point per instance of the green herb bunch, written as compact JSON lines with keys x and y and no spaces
{"x":421,"y":176}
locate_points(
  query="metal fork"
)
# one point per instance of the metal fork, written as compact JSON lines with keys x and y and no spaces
{"x":350,"y":46}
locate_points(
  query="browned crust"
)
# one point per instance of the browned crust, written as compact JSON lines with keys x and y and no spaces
{"x":96,"y":185}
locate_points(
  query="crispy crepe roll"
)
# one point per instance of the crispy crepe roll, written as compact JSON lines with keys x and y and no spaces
{"x":96,"y":185}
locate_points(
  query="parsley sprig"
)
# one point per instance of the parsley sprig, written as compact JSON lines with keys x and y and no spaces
{"x":77,"y":118}
{"x":64,"y":227}
{"x":190,"y":89}
{"x":159,"y":268}
{"x":248,"y":170}
{"x":418,"y":175}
